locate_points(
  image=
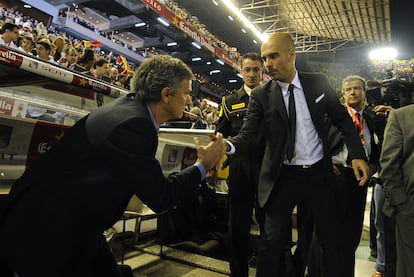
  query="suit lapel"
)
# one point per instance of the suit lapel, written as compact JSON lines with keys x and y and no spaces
{"x":275,"y":96}
{"x":310,"y":97}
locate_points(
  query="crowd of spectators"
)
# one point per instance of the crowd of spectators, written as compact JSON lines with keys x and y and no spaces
{"x":200,"y":27}
{"x":56,"y":47}
{"x":179,"y":12}
{"x":148,"y":52}
{"x":205,"y":113}
{"x":34,"y":28}
{"x":106,"y":35}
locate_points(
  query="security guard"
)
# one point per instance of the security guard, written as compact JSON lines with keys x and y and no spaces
{"x":244,"y":170}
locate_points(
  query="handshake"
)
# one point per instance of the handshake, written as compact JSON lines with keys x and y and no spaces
{"x":211,"y":154}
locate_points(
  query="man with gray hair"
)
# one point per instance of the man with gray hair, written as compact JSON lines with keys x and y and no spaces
{"x":87,"y":179}
{"x":349,"y":194}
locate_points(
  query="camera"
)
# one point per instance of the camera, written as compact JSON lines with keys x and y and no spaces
{"x":394,"y":92}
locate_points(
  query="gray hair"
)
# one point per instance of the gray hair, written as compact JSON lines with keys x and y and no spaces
{"x":158,"y":72}
{"x":351,"y":78}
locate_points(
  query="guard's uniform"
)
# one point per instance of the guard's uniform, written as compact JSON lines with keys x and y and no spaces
{"x":242,"y":182}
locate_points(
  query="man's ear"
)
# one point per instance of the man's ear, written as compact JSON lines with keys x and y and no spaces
{"x":165,"y":93}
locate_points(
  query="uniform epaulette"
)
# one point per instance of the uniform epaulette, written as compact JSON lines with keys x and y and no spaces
{"x":224,"y":110}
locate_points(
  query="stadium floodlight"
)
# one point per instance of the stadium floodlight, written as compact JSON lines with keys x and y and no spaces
{"x":230,"y":5}
{"x":383,"y":54}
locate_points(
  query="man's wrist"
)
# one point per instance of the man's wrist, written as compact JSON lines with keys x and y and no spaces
{"x":202,"y":170}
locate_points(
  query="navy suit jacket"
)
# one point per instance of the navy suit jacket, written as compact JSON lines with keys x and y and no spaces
{"x":53,"y":220}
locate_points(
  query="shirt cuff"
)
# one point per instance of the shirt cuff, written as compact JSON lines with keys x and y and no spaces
{"x":202,"y":170}
{"x":232,"y":148}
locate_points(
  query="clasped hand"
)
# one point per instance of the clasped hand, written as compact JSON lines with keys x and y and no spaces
{"x":210,"y":154}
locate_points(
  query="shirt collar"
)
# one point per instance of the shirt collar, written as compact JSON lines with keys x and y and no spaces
{"x":296,"y":82}
{"x":355,"y":111}
{"x":247,"y":89}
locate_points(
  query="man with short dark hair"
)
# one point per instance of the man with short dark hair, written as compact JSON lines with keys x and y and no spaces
{"x":244,"y":169}
{"x":26,"y":44}
{"x":44,"y":50}
{"x":87,"y":179}
{"x":9,"y":35}
{"x":99,"y":70}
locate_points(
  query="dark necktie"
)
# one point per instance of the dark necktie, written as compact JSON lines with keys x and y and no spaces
{"x":358,"y":116}
{"x":359,"y":126}
{"x":292,"y":124}
{"x":358,"y":123}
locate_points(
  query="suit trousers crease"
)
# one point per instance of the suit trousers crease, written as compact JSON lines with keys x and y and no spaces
{"x":350,"y":204}
{"x":350,"y":201}
{"x":296,"y":185}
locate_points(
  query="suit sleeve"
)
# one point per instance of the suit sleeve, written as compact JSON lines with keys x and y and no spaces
{"x":391,"y":155}
{"x":130,"y":150}
{"x":251,"y":126}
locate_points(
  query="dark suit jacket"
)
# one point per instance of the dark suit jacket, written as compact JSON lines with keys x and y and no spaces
{"x":267,"y":106}
{"x":57,"y":211}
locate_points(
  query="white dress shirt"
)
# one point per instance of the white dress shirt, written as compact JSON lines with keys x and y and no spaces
{"x":342,"y":156}
{"x":308,"y":145}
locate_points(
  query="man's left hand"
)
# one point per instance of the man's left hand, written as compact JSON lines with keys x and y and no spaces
{"x":361,"y":171}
